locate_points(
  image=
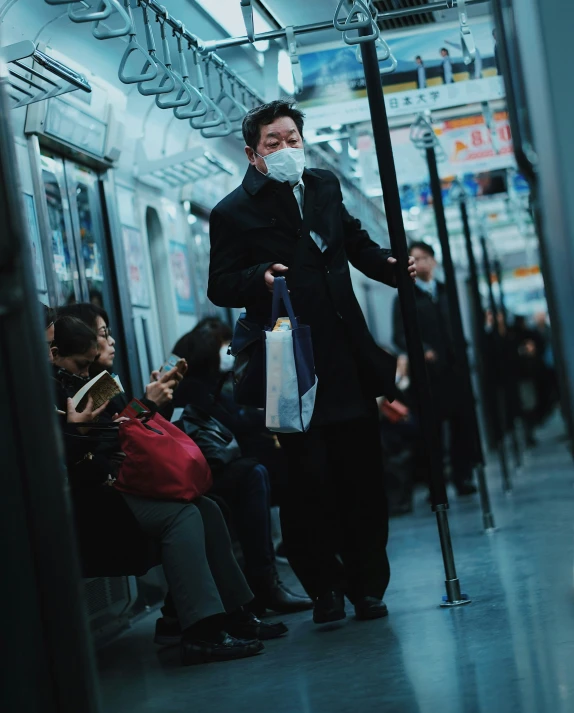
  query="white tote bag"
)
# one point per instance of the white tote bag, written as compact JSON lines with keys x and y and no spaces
{"x":291,"y":383}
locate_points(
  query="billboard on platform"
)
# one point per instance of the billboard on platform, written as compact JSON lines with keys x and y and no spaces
{"x":430,"y":74}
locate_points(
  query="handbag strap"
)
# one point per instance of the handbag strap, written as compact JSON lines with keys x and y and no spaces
{"x":281,"y":294}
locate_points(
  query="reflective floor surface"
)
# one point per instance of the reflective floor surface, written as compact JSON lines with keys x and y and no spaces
{"x":509,"y":651}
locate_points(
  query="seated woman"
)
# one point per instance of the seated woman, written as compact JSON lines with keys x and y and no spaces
{"x":208,"y":588}
{"x":243,"y":483}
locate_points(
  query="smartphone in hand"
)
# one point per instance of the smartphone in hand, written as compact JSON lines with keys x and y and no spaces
{"x":173,"y":362}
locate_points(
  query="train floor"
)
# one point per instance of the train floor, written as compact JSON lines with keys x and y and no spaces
{"x":509,"y":651}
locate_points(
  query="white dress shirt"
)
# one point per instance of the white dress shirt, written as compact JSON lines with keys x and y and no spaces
{"x":299,"y":192}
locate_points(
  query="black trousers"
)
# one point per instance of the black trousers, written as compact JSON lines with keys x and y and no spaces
{"x":334,"y":515}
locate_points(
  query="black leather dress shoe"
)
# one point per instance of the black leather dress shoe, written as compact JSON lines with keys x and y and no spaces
{"x":367,"y":608}
{"x":329,"y":607}
{"x":271,"y":593}
{"x":245,"y":625}
{"x":222,"y":648}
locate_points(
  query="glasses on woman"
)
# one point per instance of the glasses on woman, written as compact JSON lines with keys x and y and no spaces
{"x":104,"y":332}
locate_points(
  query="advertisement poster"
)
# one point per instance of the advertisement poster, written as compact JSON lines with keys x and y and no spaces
{"x":37,"y":257}
{"x":430,"y":74}
{"x":137,"y":273}
{"x":466,"y":146}
{"x":179,"y":261}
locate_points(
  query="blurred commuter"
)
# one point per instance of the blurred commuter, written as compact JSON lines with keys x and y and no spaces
{"x":398,"y":437}
{"x":421,"y":73}
{"x":290,"y":221}
{"x":447,"y":73}
{"x":206,"y":609}
{"x":243,"y":483}
{"x":254,"y":439}
{"x":537,"y":377}
{"x":442,"y":369}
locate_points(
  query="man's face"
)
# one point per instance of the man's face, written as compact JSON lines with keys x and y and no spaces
{"x":419,"y":60}
{"x":425,"y":264}
{"x":281,"y":134}
{"x":443,"y":53}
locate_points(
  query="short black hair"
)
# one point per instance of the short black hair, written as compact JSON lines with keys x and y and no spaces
{"x":73,"y":336}
{"x":444,"y":49}
{"x":49,"y":315}
{"x":266,"y":114}
{"x":87,"y":312}
{"x":420,"y":245}
{"x":419,"y":57}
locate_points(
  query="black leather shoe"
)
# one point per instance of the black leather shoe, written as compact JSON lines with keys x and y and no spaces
{"x":167,"y":632}
{"x":329,"y":607}
{"x":245,"y":625}
{"x":367,"y":608}
{"x":271,"y":593}
{"x":222,"y":648}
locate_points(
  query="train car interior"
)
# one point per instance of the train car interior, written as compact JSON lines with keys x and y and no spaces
{"x":120,"y":132}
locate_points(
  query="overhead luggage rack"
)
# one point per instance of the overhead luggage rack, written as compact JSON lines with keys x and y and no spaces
{"x":182,"y":168}
{"x":34,"y":76}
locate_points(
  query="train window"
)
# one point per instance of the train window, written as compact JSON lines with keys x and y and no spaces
{"x":63,"y":254}
{"x":84,"y":188}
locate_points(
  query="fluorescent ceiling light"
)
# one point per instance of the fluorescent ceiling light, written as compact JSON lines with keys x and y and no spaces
{"x":227,"y":13}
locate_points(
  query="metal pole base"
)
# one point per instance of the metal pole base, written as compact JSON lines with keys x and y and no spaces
{"x":453,"y":597}
{"x":447,"y":603}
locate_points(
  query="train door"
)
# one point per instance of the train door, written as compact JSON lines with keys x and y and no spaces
{"x":77,"y":237}
{"x":76,"y":246}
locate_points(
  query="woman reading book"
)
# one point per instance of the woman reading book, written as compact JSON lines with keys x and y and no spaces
{"x":208,"y":588}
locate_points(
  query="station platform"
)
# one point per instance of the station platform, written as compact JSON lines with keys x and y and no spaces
{"x":509,"y":651}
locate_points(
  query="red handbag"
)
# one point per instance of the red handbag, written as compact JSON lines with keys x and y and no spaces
{"x":161,"y":461}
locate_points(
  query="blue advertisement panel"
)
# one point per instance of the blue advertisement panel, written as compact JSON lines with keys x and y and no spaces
{"x":179,"y":261}
{"x":430,"y":74}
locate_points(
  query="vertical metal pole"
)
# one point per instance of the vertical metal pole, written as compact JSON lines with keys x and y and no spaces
{"x":511,"y":385}
{"x":460,"y":348}
{"x":387,"y":171}
{"x":506,"y":481}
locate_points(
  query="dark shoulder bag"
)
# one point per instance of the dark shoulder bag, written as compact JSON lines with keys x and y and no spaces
{"x":215,"y":441}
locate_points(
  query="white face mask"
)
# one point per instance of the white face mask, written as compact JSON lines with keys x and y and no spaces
{"x":286,"y":165}
{"x":226,"y":361}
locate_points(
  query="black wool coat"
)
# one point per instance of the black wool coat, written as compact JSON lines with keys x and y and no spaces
{"x":436,"y":333}
{"x":260,"y":224}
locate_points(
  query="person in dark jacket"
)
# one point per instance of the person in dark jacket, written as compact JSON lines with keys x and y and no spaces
{"x":285,"y":219}
{"x":435,"y":326}
{"x":206,"y":611}
{"x":244,"y":483}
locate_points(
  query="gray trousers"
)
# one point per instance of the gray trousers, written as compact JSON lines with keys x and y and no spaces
{"x":196,"y":554}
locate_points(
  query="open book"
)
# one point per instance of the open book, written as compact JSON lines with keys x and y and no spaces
{"x":101,"y":388}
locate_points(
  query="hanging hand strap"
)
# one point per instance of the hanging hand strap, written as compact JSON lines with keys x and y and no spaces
{"x":281,"y":294}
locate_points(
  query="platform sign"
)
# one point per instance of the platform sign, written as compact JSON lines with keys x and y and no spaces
{"x":334,"y":83}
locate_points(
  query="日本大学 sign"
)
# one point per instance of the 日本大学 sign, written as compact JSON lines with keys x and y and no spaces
{"x":430,"y":74}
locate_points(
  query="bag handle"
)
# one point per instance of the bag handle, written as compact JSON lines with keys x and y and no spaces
{"x":281,"y":294}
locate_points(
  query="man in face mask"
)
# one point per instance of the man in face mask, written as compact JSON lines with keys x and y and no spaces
{"x":289,"y":220}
